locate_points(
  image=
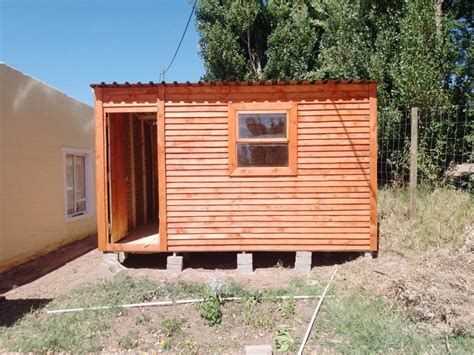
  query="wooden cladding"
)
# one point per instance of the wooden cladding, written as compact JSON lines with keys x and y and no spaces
{"x":325,"y":199}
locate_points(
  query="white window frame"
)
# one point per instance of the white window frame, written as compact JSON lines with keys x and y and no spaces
{"x":87,"y":153}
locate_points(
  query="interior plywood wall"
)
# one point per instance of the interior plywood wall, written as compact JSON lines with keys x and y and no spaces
{"x":139,"y":143}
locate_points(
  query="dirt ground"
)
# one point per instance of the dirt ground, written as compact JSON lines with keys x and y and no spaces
{"x":271,"y":270}
{"x":434,"y":287}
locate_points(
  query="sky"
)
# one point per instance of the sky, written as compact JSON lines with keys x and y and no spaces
{"x":69,"y":44}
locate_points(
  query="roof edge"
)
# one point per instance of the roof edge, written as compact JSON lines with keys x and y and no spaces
{"x":232,"y":83}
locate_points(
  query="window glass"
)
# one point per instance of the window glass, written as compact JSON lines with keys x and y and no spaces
{"x":76,"y":196}
{"x":70,"y":183}
{"x":80,"y":206}
{"x":262,"y":125}
{"x":264,"y":155}
{"x":70,"y":171}
{"x":79,"y":176}
{"x":70,"y":201}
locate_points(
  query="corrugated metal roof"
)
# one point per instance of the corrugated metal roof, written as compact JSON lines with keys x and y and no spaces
{"x":231,"y":83}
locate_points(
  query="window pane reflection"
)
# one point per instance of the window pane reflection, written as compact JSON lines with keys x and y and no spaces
{"x":262,"y":125}
{"x":266,"y":155}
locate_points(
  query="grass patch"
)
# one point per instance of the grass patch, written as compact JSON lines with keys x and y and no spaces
{"x":171,"y":327}
{"x":360,"y":324}
{"x":287,"y":308}
{"x":443,"y":214}
{"x":37,"y":332}
{"x":355,"y":322}
{"x":82,"y":332}
{"x":129,"y":341}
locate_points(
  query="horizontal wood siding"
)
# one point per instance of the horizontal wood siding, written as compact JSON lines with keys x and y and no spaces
{"x":326,"y":206}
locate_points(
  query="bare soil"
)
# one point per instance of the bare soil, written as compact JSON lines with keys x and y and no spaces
{"x":433,"y":287}
{"x":271,"y":270}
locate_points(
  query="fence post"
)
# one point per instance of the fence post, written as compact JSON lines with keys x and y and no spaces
{"x":413,"y":161}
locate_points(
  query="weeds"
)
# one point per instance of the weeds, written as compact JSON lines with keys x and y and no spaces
{"x":210,"y":309}
{"x":354,"y":322}
{"x":442,"y":216}
{"x":171,"y":327}
{"x":287,"y":308}
{"x":283,"y":340}
{"x":79,"y":332}
{"x":361,"y":324}
{"x":259,"y":319}
{"x":142,"y":319}
{"x":129,"y":341}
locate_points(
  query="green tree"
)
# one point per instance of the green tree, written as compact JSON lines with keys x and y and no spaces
{"x":294,"y":40}
{"x":233,"y":38}
{"x":419,"y":51}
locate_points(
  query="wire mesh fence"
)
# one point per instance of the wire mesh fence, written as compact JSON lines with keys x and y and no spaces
{"x":444,"y":146}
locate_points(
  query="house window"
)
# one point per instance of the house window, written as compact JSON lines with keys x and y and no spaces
{"x":262,"y":139}
{"x":77,"y":181}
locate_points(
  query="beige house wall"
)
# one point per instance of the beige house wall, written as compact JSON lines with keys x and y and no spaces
{"x":36,"y":123}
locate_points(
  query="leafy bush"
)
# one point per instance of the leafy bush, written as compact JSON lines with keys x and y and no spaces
{"x":210,"y":309}
{"x":283,"y":339}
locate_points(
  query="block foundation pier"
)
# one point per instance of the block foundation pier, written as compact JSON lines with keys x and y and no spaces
{"x":303,"y":260}
{"x":174,"y":264}
{"x":245,"y":263}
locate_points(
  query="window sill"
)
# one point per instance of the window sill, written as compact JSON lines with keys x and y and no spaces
{"x":78,"y":218}
{"x":257,"y":171}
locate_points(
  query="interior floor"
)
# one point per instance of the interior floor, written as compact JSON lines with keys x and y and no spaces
{"x":143,"y":234}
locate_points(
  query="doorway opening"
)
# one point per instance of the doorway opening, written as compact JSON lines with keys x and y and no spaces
{"x":132,"y":167}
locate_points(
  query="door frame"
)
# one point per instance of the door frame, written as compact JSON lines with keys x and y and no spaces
{"x":160,"y":165}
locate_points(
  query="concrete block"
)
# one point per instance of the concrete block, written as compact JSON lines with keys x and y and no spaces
{"x":245,"y":268}
{"x":246,"y":258}
{"x":245,"y":263}
{"x":110,"y":257}
{"x":174,"y":264}
{"x":174,"y":260}
{"x":304,"y":254}
{"x":368,"y":255}
{"x":110,"y":267}
{"x":303,"y":261}
{"x":122,"y":256}
{"x":258,"y":350}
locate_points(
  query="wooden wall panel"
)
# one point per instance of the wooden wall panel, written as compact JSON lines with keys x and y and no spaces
{"x":329,"y":205}
{"x":101,"y":170}
{"x":119,"y":156}
{"x":325,"y":207}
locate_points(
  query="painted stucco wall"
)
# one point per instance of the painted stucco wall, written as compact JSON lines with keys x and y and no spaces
{"x":36,"y":123}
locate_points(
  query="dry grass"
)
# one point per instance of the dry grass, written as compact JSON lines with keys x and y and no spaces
{"x":433,"y":288}
{"x":444,"y":220}
{"x":425,"y":265}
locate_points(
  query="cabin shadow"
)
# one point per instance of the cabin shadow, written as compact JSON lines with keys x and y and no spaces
{"x":146,"y":261}
{"x":228,"y":260}
{"x":13,"y":310}
{"x":328,"y":259}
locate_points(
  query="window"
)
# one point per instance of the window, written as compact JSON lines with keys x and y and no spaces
{"x":262,"y":139}
{"x":77,"y":182}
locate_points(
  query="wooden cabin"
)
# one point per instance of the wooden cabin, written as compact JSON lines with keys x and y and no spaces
{"x":236,"y":166}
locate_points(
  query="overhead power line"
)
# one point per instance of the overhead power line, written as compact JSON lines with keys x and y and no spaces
{"x":164,"y":71}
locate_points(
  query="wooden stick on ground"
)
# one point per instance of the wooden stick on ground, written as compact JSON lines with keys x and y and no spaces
{"x":316,"y":311}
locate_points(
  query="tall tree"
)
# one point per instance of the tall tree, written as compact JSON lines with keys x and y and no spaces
{"x":233,"y":38}
{"x":419,"y":51}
